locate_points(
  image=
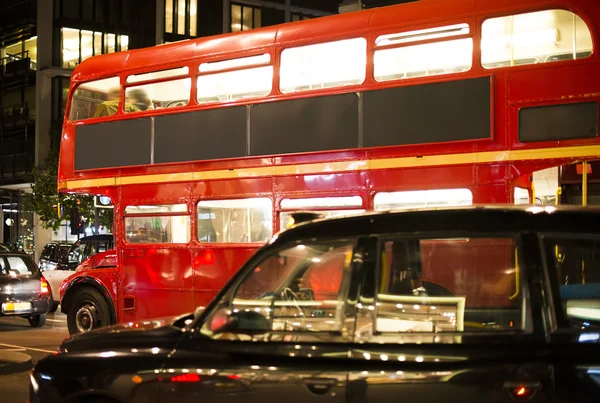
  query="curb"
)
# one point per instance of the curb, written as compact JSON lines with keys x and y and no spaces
{"x":11,"y":362}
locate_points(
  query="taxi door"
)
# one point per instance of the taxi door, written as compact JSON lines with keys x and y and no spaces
{"x":304,"y":298}
{"x":451,"y":318}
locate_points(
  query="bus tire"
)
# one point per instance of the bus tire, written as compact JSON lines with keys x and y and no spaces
{"x":88,"y":310}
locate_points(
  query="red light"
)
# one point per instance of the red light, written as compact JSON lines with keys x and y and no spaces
{"x":186,"y":378}
{"x":521,"y":391}
{"x":234,"y":377}
{"x":44,"y":289}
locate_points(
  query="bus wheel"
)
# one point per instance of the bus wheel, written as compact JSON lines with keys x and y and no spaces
{"x":88,"y":310}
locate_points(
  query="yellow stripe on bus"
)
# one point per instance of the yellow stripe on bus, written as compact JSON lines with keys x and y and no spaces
{"x":343,"y":166}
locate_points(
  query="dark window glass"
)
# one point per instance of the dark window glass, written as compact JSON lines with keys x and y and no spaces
{"x":575,"y":264}
{"x":70,"y":8}
{"x":87,"y":10}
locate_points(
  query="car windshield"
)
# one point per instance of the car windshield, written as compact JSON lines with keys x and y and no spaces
{"x":16,"y":266}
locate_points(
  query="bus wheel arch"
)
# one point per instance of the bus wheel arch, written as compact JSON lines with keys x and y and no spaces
{"x":87,"y":306}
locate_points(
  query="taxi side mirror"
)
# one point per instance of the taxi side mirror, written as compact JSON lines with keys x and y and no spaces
{"x":245,"y":322}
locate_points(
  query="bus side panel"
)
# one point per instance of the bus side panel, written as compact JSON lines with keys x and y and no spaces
{"x":213,"y":267}
{"x":156,"y":281}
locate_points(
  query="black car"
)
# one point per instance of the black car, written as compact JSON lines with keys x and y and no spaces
{"x":54,"y":254}
{"x":475,"y":304}
{"x":23,"y":290}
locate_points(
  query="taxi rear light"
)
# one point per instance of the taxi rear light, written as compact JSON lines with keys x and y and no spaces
{"x":44,"y":288}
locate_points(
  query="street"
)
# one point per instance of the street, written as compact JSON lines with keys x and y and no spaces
{"x":17,"y":336}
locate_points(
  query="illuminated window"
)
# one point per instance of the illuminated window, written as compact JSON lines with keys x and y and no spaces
{"x":166,"y":94}
{"x":423,"y":198}
{"x":143,"y":225}
{"x":21,"y":50}
{"x":158,"y":74}
{"x":521,"y":195}
{"x":451,"y":56}
{"x":348,"y":205}
{"x":181,"y":17}
{"x":169,"y":16}
{"x":244,"y":18}
{"x":539,"y":37}
{"x":79,"y":45}
{"x":95,"y":99}
{"x":239,"y":84}
{"x":232,"y":85}
{"x":323,"y":65}
{"x":235,"y":221}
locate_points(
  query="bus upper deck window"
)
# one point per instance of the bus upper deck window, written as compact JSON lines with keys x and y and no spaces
{"x":530,"y":38}
{"x":428,"y":59}
{"x":95,"y":99}
{"x":423,"y":199}
{"x":323,"y":65}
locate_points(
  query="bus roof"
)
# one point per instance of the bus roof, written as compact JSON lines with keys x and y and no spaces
{"x":307,"y":31}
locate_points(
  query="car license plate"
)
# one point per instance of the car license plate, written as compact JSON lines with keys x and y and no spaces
{"x":15,"y":307}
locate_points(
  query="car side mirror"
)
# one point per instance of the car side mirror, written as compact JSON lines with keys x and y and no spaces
{"x":245,"y":322}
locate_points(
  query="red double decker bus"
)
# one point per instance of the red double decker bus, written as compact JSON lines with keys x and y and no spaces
{"x":206,"y":146}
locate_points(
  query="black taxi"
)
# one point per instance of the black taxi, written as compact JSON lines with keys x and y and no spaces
{"x":481,"y":304}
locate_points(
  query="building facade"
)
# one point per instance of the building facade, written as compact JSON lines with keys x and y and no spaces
{"x":41,"y":42}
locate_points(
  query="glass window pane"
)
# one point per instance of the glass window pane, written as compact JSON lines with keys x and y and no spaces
{"x":175,"y":229}
{"x":320,"y":202}
{"x":31,"y":51}
{"x":236,"y":18}
{"x":539,"y":37}
{"x":87,"y":7}
{"x":235,"y":221}
{"x":124,"y":42}
{"x":181,"y":17}
{"x":422,"y":34}
{"x":110,"y":43}
{"x":95,"y":99}
{"x":231,"y":63}
{"x":169,"y":16}
{"x":158,"y":74}
{"x":162,"y":208}
{"x":70,"y":47}
{"x":233,"y":85}
{"x":288,"y":286}
{"x":286,"y":221}
{"x":448,"y":285}
{"x":424,"y":60}
{"x":257,"y":18}
{"x":18,"y":266}
{"x":97,"y":43}
{"x":167,"y":94}
{"x":87,"y":44}
{"x":193,"y":17}
{"x":423,"y":198}
{"x":247,"y":18}
{"x":575,"y":263}
{"x":324,"y":65}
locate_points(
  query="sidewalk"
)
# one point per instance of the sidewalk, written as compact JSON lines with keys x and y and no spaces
{"x":12,"y":361}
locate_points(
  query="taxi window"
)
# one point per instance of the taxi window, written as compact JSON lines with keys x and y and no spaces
{"x":449,"y":285}
{"x":299,"y":289}
{"x":574,"y":262}
{"x":15,"y":266}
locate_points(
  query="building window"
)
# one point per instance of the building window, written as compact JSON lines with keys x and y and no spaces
{"x":181,"y":17}
{"x":78,"y":45}
{"x":244,"y":18}
{"x":21,"y":50}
